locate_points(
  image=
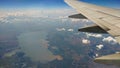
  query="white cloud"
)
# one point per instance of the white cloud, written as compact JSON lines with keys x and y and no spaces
{"x":75,"y":20}
{"x":100,"y":46}
{"x":94,"y":35}
{"x":85,"y":41}
{"x":59,"y":13}
{"x":3,"y":20}
{"x":64,"y":20}
{"x":109,"y":39}
{"x":70,"y":30}
{"x":96,"y":55}
{"x":63,"y":17}
{"x":81,"y":20}
{"x":85,"y":20}
{"x":117,"y":52}
{"x":60,"y":29}
{"x":17,"y":14}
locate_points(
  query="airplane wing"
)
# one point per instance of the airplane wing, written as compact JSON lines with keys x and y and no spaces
{"x":107,"y":20}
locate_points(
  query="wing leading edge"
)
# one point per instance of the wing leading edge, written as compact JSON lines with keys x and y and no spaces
{"x":106,"y":20}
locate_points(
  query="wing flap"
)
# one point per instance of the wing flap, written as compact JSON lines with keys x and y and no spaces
{"x":92,"y":29}
{"x":78,"y":16}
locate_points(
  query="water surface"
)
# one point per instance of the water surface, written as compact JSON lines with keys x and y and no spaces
{"x":35,"y":46}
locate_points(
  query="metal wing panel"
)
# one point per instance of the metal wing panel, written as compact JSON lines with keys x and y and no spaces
{"x":109,"y":59}
{"x":106,"y":18}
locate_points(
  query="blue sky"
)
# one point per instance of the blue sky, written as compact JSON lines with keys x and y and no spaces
{"x":51,"y":3}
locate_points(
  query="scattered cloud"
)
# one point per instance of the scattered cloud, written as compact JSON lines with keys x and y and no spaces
{"x":75,"y":20}
{"x":63,"y":17}
{"x":85,"y":41}
{"x":60,"y":29}
{"x":100,"y":46}
{"x":117,"y":52}
{"x":94,"y":35}
{"x":85,"y":20}
{"x":96,"y":55}
{"x":70,"y":30}
{"x":109,"y":39}
{"x":80,"y":20}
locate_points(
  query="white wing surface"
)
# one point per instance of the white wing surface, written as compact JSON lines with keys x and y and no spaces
{"x":106,"y":18}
